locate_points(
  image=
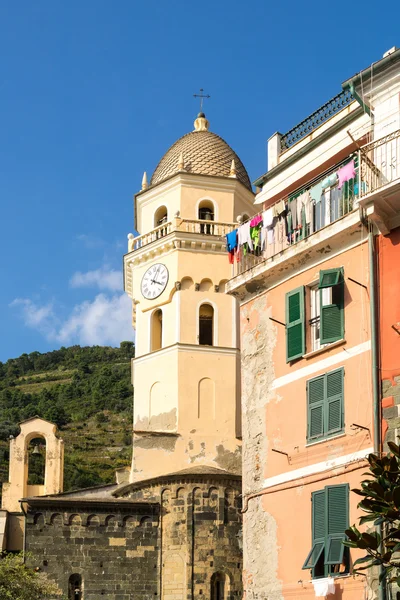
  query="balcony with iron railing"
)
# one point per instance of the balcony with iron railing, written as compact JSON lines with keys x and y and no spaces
{"x":315,"y":120}
{"x":376,"y":184}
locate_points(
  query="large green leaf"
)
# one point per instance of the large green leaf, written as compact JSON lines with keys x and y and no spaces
{"x":364,"y":559}
{"x":372,"y":539}
{"x":394,"y":448}
{"x":396,"y":496}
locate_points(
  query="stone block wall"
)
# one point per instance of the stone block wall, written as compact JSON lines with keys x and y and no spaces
{"x":115,"y":549}
{"x":175,"y":538}
{"x":201,"y":533}
{"x":391,"y":411}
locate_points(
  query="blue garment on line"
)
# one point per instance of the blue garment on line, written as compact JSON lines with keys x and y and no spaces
{"x":231,"y":240}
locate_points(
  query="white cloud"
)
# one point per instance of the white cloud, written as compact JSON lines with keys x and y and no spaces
{"x":35,"y":316}
{"x":106,"y":320}
{"x":103,"y":278}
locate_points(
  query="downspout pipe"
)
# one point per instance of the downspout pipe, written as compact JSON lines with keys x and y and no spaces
{"x":373,"y":307}
{"x":374,"y":344}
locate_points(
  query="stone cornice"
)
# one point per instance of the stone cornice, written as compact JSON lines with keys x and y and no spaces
{"x":187,"y":348}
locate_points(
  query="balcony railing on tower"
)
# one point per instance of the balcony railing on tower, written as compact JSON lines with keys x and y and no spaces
{"x":202,"y":227}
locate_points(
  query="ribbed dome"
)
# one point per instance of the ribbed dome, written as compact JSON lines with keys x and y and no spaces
{"x":203,"y":153}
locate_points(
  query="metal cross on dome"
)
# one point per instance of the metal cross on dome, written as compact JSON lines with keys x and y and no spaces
{"x":201,"y":96}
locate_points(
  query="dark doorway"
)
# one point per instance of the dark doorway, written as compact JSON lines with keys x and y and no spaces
{"x":218,"y":586}
{"x":75,"y":587}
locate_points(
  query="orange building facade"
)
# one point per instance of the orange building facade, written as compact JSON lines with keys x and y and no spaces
{"x":388,"y":261}
{"x":311,"y":273}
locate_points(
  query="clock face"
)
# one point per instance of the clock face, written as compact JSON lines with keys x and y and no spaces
{"x":154,"y":281}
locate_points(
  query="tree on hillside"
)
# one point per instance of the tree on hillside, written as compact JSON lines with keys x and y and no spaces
{"x":17,"y":582}
{"x":381,"y":504}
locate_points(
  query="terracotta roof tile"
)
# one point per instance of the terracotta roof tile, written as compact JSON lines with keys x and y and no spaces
{"x":204,"y":153}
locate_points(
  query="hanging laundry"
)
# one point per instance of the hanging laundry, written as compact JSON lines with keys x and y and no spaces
{"x":231,"y":240}
{"x":231,"y":244}
{"x":323,"y":587}
{"x":255,"y":235}
{"x":268,"y":217}
{"x":279,"y":208}
{"x":346,"y":173}
{"x":293,"y":212}
{"x":330,"y":181}
{"x":319,"y":218}
{"x":263,"y":238}
{"x":336,"y":207}
{"x":255,"y":221}
{"x":308,"y":211}
{"x":289,"y":226}
{"x":244,"y":235}
{"x":271,"y":233}
{"x":316,"y":192}
{"x":302,"y":200}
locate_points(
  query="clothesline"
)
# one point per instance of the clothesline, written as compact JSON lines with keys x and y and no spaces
{"x":288,"y":221}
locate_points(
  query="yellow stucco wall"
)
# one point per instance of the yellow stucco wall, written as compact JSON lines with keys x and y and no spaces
{"x":186,"y":395}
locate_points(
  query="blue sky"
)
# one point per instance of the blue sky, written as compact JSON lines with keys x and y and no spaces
{"x":92,"y":93}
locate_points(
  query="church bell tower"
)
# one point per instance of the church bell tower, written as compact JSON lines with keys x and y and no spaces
{"x":186,"y":371}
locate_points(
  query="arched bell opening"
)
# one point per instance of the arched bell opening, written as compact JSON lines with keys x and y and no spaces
{"x":206,"y":325}
{"x":36,"y":461}
{"x":206,"y":212}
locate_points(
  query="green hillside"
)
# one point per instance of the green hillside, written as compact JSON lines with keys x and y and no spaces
{"x":87,"y":392}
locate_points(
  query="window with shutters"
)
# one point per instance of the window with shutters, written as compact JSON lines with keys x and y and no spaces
{"x":331,"y":286}
{"x":325,"y":405}
{"x":330,"y":519}
{"x":295,"y":324}
{"x":326,"y":309}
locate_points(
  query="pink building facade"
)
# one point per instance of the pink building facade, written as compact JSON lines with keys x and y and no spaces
{"x":307,"y":280}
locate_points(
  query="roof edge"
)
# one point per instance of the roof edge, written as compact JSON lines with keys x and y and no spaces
{"x":179,"y":475}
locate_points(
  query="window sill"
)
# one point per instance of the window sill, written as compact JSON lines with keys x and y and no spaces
{"x":327,"y":439}
{"x":324,"y":349}
{"x":334,"y":576}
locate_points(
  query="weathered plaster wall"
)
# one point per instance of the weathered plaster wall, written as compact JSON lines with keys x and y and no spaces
{"x":260,"y":550}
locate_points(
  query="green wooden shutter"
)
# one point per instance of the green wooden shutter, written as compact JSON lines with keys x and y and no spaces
{"x":332,"y":315}
{"x":334,"y":405}
{"x":337,"y":512}
{"x":295,"y":324}
{"x":329,"y":277}
{"x":318,"y":514}
{"x":315,"y":407}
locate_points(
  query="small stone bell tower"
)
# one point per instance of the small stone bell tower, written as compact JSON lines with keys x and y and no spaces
{"x":19,"y":486}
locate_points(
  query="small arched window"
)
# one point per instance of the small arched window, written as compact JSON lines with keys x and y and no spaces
{"x":160,"y":216}
{"x":206,"y":325}
{"x":156,"y":330}
{"x":75,"y":587}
